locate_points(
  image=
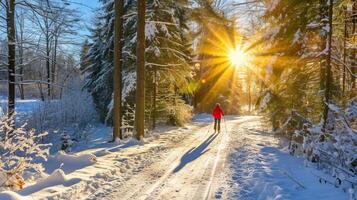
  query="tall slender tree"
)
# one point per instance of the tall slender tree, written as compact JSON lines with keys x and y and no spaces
{"x":117,"y":76}
{"x":20,"y":45}
{"x":11,"y":39}
{"x":140,"y":70}
{"x":328,"y":79}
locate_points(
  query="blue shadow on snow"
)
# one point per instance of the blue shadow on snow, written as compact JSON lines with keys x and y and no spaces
{"x":195,"y":152}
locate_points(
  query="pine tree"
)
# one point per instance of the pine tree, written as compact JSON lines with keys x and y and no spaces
{"x":168,"y":54}
{"x":117,"y":75}
{"x":293,"y":28}
{"x":83,"y":56}
{"x":140,"y":72}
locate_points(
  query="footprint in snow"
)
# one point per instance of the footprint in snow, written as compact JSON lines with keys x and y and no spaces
{"x":218,"y":195}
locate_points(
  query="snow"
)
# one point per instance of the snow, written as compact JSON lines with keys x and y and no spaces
{"x":69,"y":163}
{"x":8,"y":195}
{"x":202,"y":117}
{"x":58,"y":177}
{"x":260,"y":169}
{"x":150,"y":30}
{"x":243,"y":162}
{"x":24,"y":107}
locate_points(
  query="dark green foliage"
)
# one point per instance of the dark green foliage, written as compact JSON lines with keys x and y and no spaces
{"x":167,"y":53}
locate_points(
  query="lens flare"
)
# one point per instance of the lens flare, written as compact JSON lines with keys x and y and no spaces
{"x":237,"y":57}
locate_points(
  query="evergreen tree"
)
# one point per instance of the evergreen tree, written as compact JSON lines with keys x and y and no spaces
{"x":140,"y":71}
{"x":168,"y":55}
{"x":117,"y":75}
{"x":292,"y":34}
{"x":302,"y":46}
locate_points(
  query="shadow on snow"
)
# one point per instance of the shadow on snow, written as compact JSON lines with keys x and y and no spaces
{"x":195,"y":152}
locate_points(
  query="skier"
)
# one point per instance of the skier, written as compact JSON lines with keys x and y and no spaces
{"x":217,"y":115}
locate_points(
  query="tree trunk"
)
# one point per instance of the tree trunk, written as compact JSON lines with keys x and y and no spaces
{"x":154,"y":101}
{"x":354,"y":58}
{"x":54,"y":66}
{"x":10,"y":19}
{"x":20,"y":41}
{"x":42,"y":95}
{"x":323,"y":43}
{"x":344,"y":52}
{"x":48,"y":67}
{"x":328,"y":63}
{"x":140,"y":70}
{"x":117,"y":76}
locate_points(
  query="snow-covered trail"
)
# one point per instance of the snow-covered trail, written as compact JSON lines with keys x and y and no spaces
{"x":244,"y":162}
{"x":258,"y":169}
{"x":188,"y":171}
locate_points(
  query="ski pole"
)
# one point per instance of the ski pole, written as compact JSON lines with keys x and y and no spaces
{"x":225,"y":124}
{"x":209,"y":127}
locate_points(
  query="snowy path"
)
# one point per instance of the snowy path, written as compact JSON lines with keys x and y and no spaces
{"x":187,"y":171}
{"x":258,"y":169}
{"x":194,"y":163}
{"x":242,"y":163}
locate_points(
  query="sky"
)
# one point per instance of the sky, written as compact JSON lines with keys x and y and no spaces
{"x":87,"y":10}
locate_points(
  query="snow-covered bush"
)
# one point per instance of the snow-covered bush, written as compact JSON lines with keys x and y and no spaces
{"x":66,"y":142}
{"x":21,"y":153}
{"x":74,"y":108}
{"x":73,"y":113}
{"x":336,"y":147}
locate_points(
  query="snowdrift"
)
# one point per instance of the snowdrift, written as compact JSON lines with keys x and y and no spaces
{"x":58,"y":177}
{"x":69,"y":163}
{"x":9,"y":195}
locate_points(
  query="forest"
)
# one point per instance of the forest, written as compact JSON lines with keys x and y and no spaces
{"x":114,"y":99}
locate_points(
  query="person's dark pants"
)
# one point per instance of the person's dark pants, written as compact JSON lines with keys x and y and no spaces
{"x":217,"y":124}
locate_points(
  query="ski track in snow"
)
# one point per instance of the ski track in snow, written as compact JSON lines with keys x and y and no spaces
{"x":259,"y":170}
{"x":242,"y":162}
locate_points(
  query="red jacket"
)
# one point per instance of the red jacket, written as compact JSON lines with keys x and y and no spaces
{"x":217,"y":112}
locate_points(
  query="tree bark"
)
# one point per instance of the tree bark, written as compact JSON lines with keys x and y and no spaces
{"x":154,"y":101}
{"x":20,"y":45}
{"x":54,"y":66}
{"x":323,"y":43}
{"x":328,"y":63}
{"x":117,"y":76}
{"x":11,"y":39}
{"x":354,"y":57}
{"x":344,"y":52}
{"x":48,"y":67}
{"x":140,"y":70}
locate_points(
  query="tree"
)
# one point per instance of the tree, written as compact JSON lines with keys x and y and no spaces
{"x":20,"y":45}
{"x":291,"y":78}
{"x":140,"y":71}
{"x":328,"y":78}
{"x":117,"y":75}
{"x":11,"y":42}
{"x":168,"y":53}
{"x":83,"y":57}
{"x":55,"y":22}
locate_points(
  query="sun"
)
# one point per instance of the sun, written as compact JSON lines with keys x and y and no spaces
{"x":237,"y":57}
